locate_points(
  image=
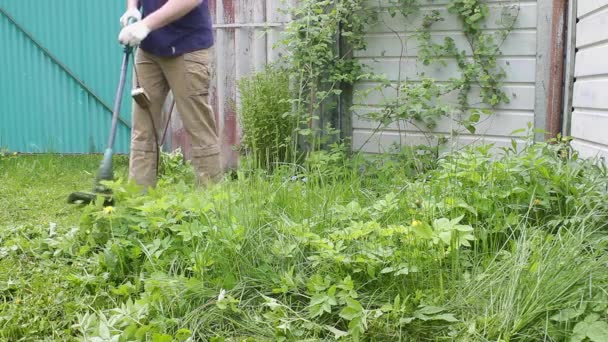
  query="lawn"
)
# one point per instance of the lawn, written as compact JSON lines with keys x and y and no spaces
{"x":467,"y":247}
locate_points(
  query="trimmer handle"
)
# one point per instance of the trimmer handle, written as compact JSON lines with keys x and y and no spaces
{"x":131,"y":20}
{"x":129,"y":49}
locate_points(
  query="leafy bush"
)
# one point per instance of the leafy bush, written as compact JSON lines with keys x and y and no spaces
{"x":265,"y":116}
{"x":174,"y":168}
{"x":482,"y":247}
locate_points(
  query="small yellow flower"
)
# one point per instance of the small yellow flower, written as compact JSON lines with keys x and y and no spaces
{"x":416,"y":223}
{"x":536,"y":202}
{"x":108,"y":210}
{"x":17,"y":301}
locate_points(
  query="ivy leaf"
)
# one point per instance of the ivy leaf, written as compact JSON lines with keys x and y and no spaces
{"x":104,"y":331}
{"x":162,"y":338}
{"x":423,"y":230}
{"x":387,"y":270}
{"x":475,"y":18}
{"x":337,"y":333}
{"x":430,"y":310}
{"x":404,"y":270}
{"x":470,"y":128}
{"x":590,"y":328}
{"x":356,"y":327}
{"x":352,"y":310}
{"x":386,"y":308}
{"x":406,"y":320}
{"x":568,"y":314}
{"x":321,"y":303}
{"x":448,"y":317}
{"x":597,"y":331}
{"x":474,"y":117}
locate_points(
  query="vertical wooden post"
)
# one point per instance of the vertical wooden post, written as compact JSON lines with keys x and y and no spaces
{"x":569,"y":66}
{"x":549,"y":67}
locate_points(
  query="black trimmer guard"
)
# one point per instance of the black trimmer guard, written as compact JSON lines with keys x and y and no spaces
{"x":88,"y":198}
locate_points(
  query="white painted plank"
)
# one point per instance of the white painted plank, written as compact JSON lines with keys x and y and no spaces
{"x":244,"y":37}
{"x":587,"y":6}
{"x":259,"y":38}
{"x":382,"y":142}
{"x":501,"y":123}
{"x":276,"y":12}
{"x":518,"y":43}
{"x":589,"y":149}
{"x":593,"y":29}
{"x":521,"y":96}
{"x":590,"y":125}
{"x":592,"y":61}
{"x":591,"y":94}
{"x":521,"y":70}
{"x":526,"y":18}
{"x":426,"y":3}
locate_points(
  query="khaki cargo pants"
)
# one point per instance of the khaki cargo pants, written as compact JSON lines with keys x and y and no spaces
{"x":188,"y":77}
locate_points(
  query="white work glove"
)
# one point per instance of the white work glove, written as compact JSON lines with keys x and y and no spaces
{"x":133,"y":34}
{"x":132,"y":13}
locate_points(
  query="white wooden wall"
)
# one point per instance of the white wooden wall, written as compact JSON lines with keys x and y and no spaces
{"x":384,"y":55}
{"x":589,"y":122}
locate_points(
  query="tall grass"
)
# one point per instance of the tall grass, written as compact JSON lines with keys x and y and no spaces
{"x":473,"y":248}
{"x":265,"y":116}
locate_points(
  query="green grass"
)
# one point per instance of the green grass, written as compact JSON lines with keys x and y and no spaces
{"x":36,"y":298}
{"x":34,"y":188}
{"x":470,"y":247}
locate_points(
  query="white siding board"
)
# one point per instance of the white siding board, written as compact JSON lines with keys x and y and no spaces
{"x":588,"y":149}
{"x":367,"y":142}
{"x":521,"y":96}
{"x":587,"y":6}
{"x":392,"y":51}
{"x":592,"y":29}
{"x":518,"y":70}
{"x":526,"y":19}
{"x":435,"y":3}
{"x":590,"y":126}
{"x":591,"y":94}
{"x":518,"y":43}
{"x":589,"y":120}
{"x":592,"y":61}
{"x":276,"y":13}
{"x":501,"y":123}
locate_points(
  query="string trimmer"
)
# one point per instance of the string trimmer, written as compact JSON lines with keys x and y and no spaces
{"x":105,"y":172}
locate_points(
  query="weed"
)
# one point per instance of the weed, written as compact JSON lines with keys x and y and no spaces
{"x":471,"y":246}
{"x":265,"y":117}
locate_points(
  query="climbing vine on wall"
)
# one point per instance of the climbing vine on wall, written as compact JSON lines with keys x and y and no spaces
{"x":317,"y":66}
{"x":324,"y":34}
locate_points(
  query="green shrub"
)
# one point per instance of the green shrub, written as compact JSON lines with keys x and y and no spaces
{"x":478,"y":247}
{"x":265,"y":116}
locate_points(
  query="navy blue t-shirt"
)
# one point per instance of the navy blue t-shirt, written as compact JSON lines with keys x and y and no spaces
{"x":190,"y":33}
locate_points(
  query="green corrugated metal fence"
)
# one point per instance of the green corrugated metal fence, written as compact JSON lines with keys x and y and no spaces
{"x":59,"y":68}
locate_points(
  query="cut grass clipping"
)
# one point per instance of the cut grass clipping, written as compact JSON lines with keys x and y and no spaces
{"x":474,"y":248}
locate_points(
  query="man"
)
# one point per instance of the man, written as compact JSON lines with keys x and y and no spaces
{"x":175,"y":52}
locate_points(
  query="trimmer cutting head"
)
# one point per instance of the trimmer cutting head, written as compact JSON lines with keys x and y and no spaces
{"x":105,"y":169}
{"x":89,"y":197}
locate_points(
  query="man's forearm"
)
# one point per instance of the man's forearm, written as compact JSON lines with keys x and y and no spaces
{"x":171,"y":11}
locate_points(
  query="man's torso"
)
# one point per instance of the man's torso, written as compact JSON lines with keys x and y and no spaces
{"x":190,"y":33}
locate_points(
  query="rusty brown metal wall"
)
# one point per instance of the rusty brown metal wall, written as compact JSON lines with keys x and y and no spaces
{"x":245,"y":34}
{"x":556,"y":79}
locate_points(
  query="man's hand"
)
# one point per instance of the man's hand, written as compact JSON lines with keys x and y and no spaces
{"x":133,"y":34}
{"x":131,"y":13}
